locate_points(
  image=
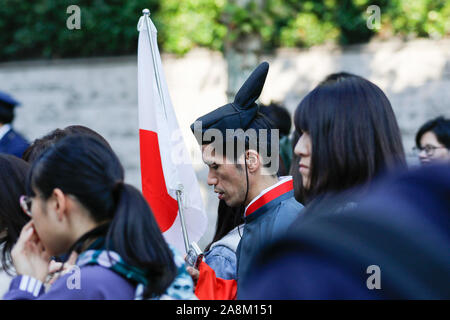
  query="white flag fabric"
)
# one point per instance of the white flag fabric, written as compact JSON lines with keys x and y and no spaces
{"x":165,"y":163}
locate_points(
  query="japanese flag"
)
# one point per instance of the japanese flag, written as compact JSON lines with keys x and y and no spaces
{"x":165,"y":163}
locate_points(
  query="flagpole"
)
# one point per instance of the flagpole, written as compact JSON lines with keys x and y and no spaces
{"x":179,"y":190}
{"x":146,"y":13}
{"x":183,"y":224}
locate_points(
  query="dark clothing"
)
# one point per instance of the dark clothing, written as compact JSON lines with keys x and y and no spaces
{"x":264,"y":225}
{"x":13,"y":143}
{"x":401,"y":226}
{"x":101,"y":275}
{"x":241,"y":113}
{"x":96,"y":283}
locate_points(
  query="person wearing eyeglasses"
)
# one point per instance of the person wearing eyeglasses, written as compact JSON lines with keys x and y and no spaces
{"x":433,"y":141}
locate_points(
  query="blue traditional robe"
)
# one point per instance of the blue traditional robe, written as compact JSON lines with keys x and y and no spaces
{"x":267,"y":217}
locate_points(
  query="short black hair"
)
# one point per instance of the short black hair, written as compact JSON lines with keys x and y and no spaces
{"x":440,"y":127}
{"x":279,"y":116}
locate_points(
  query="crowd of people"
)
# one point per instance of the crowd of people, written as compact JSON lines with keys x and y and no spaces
{"x":305,"y":215}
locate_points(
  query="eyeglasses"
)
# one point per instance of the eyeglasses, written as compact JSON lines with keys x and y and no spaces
{"x":429,"y":150}
{"x":25,"y":204}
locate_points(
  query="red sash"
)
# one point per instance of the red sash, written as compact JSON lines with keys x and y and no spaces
{"x":209,"y":287}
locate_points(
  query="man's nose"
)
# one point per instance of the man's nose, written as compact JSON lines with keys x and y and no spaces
{"x":212,"y":179}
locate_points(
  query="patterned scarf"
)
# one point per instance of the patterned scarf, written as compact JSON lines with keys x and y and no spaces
{"x":182,"y":288}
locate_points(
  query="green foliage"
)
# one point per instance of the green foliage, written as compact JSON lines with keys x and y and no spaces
{"x":32,"y":29}
{"x":189,"y":23}
{"x":37,"y":29}
{"x":423,"y":18}
{"x":307,"y":30}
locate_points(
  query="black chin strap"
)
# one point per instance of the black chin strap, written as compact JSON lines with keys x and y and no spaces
{"x":246,"y":195}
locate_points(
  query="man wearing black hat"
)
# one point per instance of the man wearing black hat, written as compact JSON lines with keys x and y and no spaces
{"x":11,"y":142}
{"x":241,"y":150}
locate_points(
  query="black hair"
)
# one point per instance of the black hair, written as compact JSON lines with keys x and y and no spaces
{"x":279,"y":116}
{"x":86,"y":168}
{"x":440,"y":127}
{"x":354,"y":133}
{"x":299,"y":192}
{"x":40,"y":145}
{"x":79,"y":129}
{"x":228,"y":218}
{"x":13,"y":175}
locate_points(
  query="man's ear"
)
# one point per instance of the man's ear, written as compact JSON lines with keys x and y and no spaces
{"x":253,"y":160}
{"x":60,"y":203}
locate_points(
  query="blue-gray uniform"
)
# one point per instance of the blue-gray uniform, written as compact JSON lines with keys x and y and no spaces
{"x":13,"y":143}
{"x":267,"y":217}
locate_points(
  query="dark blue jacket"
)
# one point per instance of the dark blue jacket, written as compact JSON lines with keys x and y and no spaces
{"x":264,"y":226}
{"x":402,"y":226}
{"x":13,"y":143}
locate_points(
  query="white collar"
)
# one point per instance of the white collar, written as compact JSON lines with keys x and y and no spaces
{"x":4,"y":130}
{"x":281,"y":180}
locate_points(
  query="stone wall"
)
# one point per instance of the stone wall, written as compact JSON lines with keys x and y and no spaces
{"x":101,"y":93}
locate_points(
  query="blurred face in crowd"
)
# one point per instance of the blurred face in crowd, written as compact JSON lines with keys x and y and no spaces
{"x":303,"y":149}
{"x":432,"y":150}
{"x":227,"y":178}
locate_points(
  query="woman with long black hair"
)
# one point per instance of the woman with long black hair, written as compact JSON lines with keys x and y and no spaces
{"x":79,"y":203}
{"x":348,"y":136}
{"x":13,"y":176}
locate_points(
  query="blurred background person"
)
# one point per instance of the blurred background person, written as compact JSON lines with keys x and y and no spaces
{"x":13,"y":175}
{"x":11,"y":142}
{"x":433,"y":141}
{"x":220,"y":254}
{"x":348,"y":136}
{"x":280,"y":118}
